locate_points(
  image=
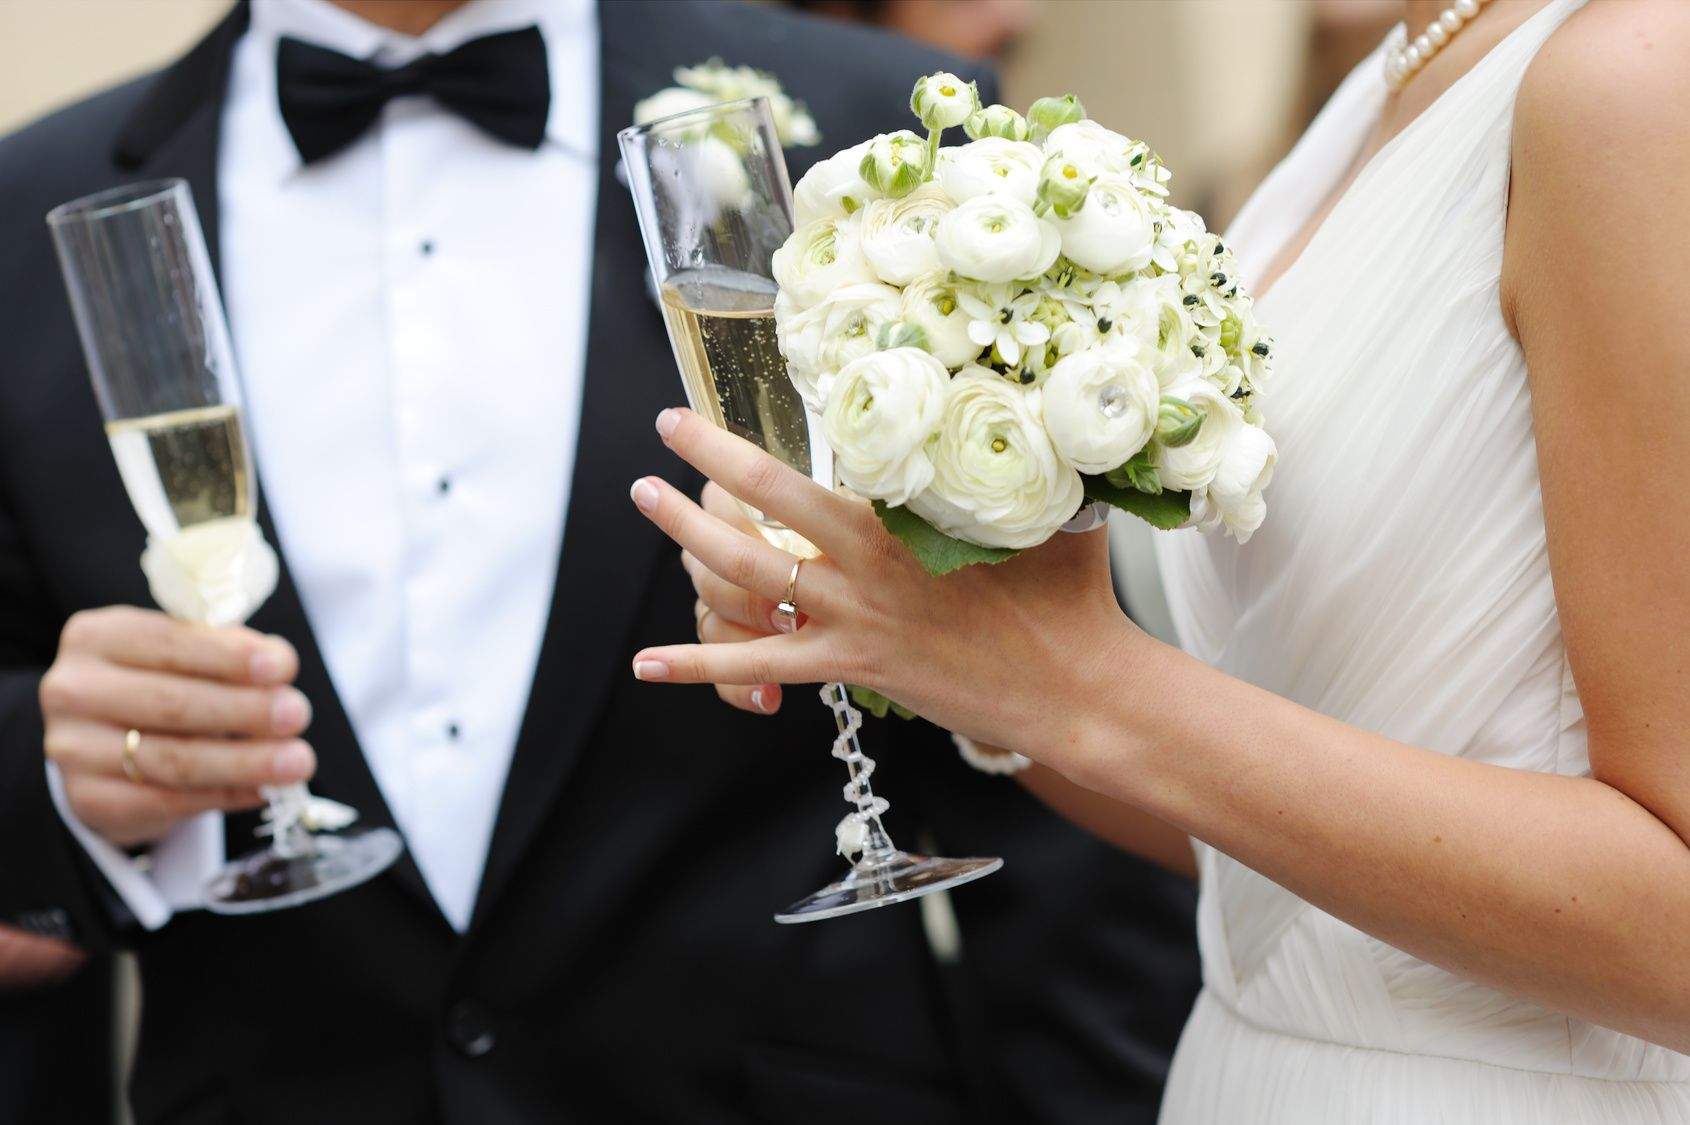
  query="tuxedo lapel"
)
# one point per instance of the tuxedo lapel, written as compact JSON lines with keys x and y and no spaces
{"x":609,"y":550}
{"x":174,"y":131}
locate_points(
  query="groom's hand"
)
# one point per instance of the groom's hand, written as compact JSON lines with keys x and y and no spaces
{"x":215,"y":710}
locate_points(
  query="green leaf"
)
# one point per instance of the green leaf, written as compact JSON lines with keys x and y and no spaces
{"x":878,"y":705}
{"x":937,"y":552}
{"x":1165,"y":510}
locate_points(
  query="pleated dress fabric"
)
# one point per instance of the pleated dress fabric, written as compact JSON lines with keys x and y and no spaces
{"x":1401,"y":583}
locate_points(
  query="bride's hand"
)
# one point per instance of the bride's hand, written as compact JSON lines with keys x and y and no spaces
{"x":994,"y":652}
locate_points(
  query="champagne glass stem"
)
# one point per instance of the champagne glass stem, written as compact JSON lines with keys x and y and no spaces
{"x":290,"y":838}
{"x":859,"y":791}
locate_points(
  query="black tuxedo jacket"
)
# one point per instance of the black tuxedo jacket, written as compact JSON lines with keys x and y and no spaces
{"x":621,"y":964}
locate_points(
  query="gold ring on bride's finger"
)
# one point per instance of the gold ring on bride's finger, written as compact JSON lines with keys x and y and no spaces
{"x":131,"y":765}
{"x":786,"y":613}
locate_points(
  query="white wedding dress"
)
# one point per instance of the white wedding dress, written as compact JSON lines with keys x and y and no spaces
{"x":1401,"y":583}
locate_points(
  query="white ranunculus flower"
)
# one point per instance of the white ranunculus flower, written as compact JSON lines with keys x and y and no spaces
{"x":1113,"y":232}
{"x":825,"y":337}
{"x":931,"y":303}
{"x":832,"y":188}
{"x":897,"y":234}
{"x":943,"y":100}
{"x":1095,"y":149}
{"x":881,"y":409}
{"x":991,"y":166}
{"x":819,"y":258}
{"x":1246,"y":467}
{"x":1192,"y":466}
{"x":668,"y":102}
{"x":997,"y":480}
{"x":996,"y":238}
{"x":1149,"y":309}
{"x":1100,"y":405}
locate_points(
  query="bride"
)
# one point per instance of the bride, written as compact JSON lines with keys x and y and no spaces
{"x":1429,"y":730}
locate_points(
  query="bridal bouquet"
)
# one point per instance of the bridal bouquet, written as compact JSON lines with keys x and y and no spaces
{"x":997,"y":334}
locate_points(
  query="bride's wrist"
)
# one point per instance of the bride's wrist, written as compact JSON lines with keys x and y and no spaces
{"x":1119,"y":712}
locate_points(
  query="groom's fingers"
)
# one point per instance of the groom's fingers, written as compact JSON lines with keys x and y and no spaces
{"x":146,"y":638}
{"x":180,"y":763}
{"x":831,"y":522}
{"x":747,"y":561}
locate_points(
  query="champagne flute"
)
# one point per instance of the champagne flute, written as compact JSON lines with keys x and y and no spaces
{"x":157,"y":345}
{"x":714,"y":204}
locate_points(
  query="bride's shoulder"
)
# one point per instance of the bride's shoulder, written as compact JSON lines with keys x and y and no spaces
{"x":1601,"y":150}
{"x":1615,"y":71}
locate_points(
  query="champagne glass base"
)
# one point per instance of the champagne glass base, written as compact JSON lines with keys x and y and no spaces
{"x":894,"y":877}
{"x":267,"y":880}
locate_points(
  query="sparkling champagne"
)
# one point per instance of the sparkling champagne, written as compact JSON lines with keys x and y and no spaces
{"x":184,"y":469}
{"x":722,"y":325}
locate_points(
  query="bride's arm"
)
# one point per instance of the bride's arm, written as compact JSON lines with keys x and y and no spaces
{"x":1128,"y":827}
{"x":1574,"y":892}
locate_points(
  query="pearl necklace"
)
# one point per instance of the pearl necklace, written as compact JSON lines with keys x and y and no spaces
{"x":1403,"y":59}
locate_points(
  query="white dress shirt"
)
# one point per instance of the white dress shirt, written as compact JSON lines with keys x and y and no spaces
{"x":410,"y":317}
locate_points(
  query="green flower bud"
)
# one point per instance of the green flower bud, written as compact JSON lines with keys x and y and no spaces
{"x":1177,"y":422}
{"x":896,"y":163}
{"x":1048,"y":113}
{"x":1140,"y":473}
{"x":996,"y":121}
{"x":1231,"y":328}
{"x":897,"y":334}
{"x":943,"y":100}
{"x":1062,"y":186}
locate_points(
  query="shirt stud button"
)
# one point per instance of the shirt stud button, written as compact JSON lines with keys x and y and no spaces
{"x":427,"y":247}
{"x":453,"y":731}
{"x":443,"y":486}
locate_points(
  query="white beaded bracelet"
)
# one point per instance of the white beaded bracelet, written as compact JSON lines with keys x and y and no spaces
{"x":1003,"y":764}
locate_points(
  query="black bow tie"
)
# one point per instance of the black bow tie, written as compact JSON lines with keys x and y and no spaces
{"x":498,"y":82}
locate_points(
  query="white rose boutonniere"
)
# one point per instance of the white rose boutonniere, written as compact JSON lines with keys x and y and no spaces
{"x":712,"y":82}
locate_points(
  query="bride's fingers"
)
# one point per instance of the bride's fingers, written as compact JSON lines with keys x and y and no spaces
{"x":790,"y":659}
{"x":744,"y":560}
{"x":763,"y":699}
{"x":715,"y":500}
{"x":831,"y":522}
{"x":730,"y":602}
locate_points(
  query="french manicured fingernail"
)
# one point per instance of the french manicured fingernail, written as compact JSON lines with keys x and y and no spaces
{"x":294,"y":762}
{"x":269,"y":662}
{"x":765,"y":699}
{"x":667,"y":421}
{"x":650,"y":670}
{"x":291,"y":711}
{"x":644,"y":494}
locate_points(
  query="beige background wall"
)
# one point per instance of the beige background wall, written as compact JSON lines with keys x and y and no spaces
{"x":1209,"y":83}
{"x":54,"y":51}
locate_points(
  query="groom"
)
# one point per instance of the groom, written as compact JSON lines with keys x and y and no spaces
{"x":451,"y":366}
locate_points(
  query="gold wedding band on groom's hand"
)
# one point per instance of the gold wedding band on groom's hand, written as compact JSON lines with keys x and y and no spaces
{"x":786,"y":613}
{"x":131,"y":766}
